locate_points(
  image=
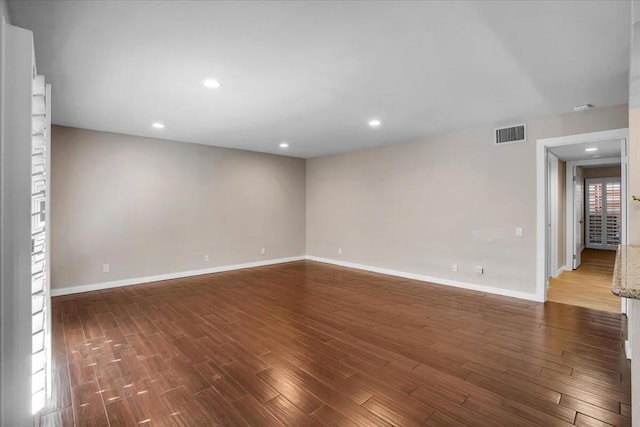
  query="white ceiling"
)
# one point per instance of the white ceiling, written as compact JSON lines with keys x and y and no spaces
{"x":313,"y":73}
{"x":605,"y":150}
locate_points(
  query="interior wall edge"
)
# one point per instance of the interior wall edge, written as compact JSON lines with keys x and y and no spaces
{"x":17,"y":65}
{"x":4,"y":10}
{"x":430,"y":279}
{"x":76,"y":289}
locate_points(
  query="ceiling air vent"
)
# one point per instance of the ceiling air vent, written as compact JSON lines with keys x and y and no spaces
{"x":510,"y":134}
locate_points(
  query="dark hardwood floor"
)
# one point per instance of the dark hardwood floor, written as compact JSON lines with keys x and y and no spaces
{"x":306,"y":343}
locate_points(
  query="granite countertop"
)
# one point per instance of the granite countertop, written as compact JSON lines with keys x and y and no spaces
{"x":626,"y":273}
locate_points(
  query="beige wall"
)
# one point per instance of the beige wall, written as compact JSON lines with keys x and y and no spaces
{"x":148,"y":206}
{"x":456,"y":198}
{"x":634,"y":136}
{"x":606,"y":172}
{"x":634,"y":173}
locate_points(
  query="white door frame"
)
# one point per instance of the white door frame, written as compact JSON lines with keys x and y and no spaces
{"x":570,"y":192}
{"x":541,"y":193}
{"x":552,"y":216}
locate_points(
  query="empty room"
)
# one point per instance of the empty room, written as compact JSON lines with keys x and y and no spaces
{"x":330,"y":213}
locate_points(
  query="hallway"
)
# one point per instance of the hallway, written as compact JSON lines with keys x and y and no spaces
{"x":589,"y":285}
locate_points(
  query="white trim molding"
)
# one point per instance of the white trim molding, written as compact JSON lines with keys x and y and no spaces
{"x":140,"y":280}
{"x":422,"y":278}
{"x":627,"y":349}
{"x":157,"y":278}
{"x":560,"y":270}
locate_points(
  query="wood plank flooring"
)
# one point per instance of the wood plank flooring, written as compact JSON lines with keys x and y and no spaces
{"x":306,"y":343}
{"x":589,"y":285}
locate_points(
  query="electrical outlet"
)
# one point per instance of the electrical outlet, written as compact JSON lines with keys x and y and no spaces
{"x":479,"y":269}
{"x":454,"y":268}
{"x":105,"y":268}
{"x":339,"y":251}
{"x":263,"y":251}
{"x":518,"y":231}
{"x":206,"y":258}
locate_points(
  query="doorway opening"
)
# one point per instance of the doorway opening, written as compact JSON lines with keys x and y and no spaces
{"x":581,"y":217}
{"x":594,"y":213}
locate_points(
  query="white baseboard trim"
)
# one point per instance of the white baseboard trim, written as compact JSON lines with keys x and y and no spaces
{"x":139,"y":280}
{"x":627,"y":349}
{"x":437,"y":280}
{"x":560,"y":270}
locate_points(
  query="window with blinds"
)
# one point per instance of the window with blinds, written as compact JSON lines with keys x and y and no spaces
{"x":40,"y":309}
{"x":604,"y":213}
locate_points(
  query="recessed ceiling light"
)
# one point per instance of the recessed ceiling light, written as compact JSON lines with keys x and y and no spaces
{"x":283,"y":145}
{"x":212,"y":83}
{"x":583,"y":107}
{"x":158,"y":125}
{"x":590,"y":149}
{"x":374,"y":123}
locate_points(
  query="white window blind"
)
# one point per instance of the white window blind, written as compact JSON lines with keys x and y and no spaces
{"x":613,"y":213}
{"x":40,"y":307}
{"x":604,"y":209}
